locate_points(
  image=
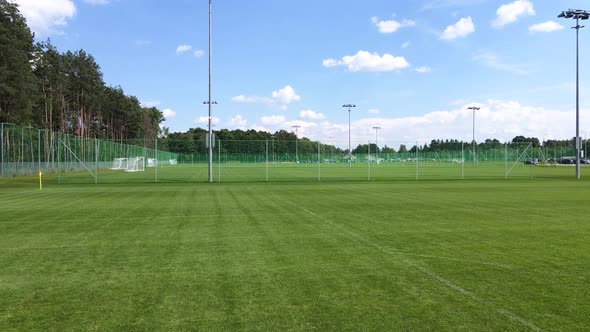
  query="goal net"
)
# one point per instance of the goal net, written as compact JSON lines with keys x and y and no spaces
{"x":119,"y":163}
{"x":173,"y":162}
{"x":152,"y":162}
{"x":136,"y":164}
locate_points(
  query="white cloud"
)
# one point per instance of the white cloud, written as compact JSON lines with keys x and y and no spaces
{"x":548,"y":26}
{"x":43,"y":17}
{"x":238,"y":122}
{"x":424,"y":69}
{"x":183,"y":48}
{"x":509,"y":13}
{"x":373,"y":111}
{"x":309,"y":114}
{"x":199,"y":53}
{"x":98,"y":2}
{"x":493,"y":61}
{"x":391,"y":26}
{"x":282,"y":97}
{"x":168,"y":113}
{"x":205,"y":120}
{"x":406,"y":44}
{"x":285,"y":95}
{"x":461,"y":29}
{"x":272,"y":120}
{"x":369,"y":62}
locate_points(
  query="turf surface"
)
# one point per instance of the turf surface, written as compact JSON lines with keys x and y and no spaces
{"x":401,"y":255}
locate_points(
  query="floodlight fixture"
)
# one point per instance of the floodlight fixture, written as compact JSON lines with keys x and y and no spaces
{"x":577,"y":14}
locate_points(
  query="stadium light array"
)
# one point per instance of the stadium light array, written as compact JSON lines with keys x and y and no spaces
{"x":577,"y":14}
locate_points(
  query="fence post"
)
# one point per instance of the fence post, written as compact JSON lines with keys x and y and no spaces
{"x":462,"y":160}
{"x":157,"y":159}
{"x":2,"y":151}
{"x":96,"y":147}
{"x":369,"y":158}
{"x":219,"y":160}
{"x":416,"y":155}
{"x":505,"y":161}
{"x":319,"y":162}
{"x":266,"y":160}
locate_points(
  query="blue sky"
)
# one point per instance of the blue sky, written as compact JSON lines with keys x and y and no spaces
{"x":411,"y":67}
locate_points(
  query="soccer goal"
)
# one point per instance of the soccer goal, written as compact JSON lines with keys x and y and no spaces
{"x":119,"y":164}
{"x":152,"y":162}
{"x":136,"y":164}
{"x":173,"y":162}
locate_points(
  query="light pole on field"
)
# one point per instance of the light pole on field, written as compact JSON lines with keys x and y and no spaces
{"x":210,"y":103}
{"x":578,"y":15}
{"x":349,"y":106}
{"x":376,"y":141}
{"x":473,"y":108}
{"x":296,"y":143}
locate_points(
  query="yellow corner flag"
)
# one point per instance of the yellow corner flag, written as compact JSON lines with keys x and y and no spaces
{"x":40,"y":180}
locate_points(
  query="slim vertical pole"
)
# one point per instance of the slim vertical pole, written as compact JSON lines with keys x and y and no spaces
{"x":473,"y":140}
{"x":578,"y":175}
{"x":39,"y":148}
{"x":505,"y":161}
{"x":416,"y":155}
{"x":369,"y":158}
{"x":462,"y":161}
{"x":22,"y":148}
{"x":266,"y":160}
{"x":96,"y":149}
{"x":349,"y":148}
{"x":210,"y":172}
{"x":219,"y":160}
{"x":319,"y":161}
{"x":2,"y":150}
{"x":157,"y":160}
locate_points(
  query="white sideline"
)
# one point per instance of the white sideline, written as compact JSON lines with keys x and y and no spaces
{"x":429,"y":273}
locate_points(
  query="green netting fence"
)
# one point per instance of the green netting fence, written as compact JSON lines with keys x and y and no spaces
{"x":67,"y":159}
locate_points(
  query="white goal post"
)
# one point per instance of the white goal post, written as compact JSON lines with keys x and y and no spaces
{"x":173,"y":162}
{"x":136,"y":164}
{"x":119,"y":164}
{"x":152,"y":162}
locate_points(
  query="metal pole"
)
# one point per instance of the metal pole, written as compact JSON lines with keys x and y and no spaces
{"x":349,"y":148}
{"x":462,"y":161}
{"x":473,"y":140}
{"x":219,"y":160}
{"x":297,"y":143}
{"x":2,"y":150}
{"x":39,"y":148}
{"x":369,"y":158}
{"x":319,"y":162}
{"x":210,"y":132}
{"x":578,"y":175}
{"x":266,"y":160}
{"x":157,"y":162}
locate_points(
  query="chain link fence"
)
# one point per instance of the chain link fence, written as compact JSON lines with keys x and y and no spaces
{"x":72,"y":159}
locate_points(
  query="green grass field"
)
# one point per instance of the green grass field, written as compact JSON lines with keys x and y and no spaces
{"x":385,"y":255}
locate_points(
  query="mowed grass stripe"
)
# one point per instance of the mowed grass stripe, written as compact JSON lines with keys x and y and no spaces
{"x":246,"y":256}
{"x":551,"y":286}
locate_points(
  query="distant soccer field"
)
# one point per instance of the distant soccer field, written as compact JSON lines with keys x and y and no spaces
{"x":386,"y":255}
{"x":324,"y":172}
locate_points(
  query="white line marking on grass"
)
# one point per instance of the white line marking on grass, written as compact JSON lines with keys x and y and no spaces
{"x":512,"y":316}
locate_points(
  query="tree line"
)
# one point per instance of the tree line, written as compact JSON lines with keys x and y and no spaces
{"x":63,"y":91}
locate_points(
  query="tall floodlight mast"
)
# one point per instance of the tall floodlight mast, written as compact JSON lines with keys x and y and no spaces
{"x":349,"y":106}
{"x":210,"y":103}
{"x":578,"y":15}
{"x":473,"y":108}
